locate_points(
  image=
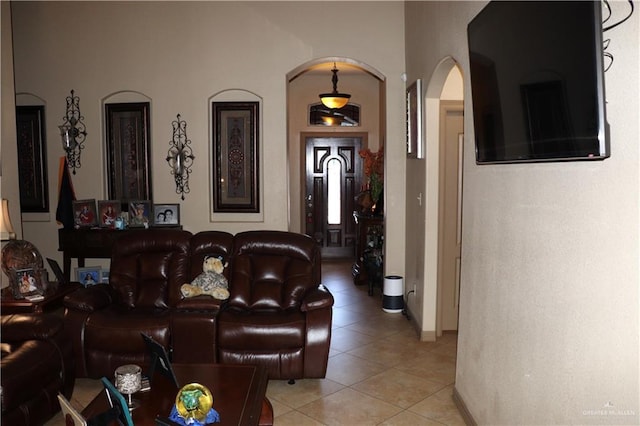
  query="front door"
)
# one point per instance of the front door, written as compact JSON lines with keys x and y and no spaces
{"x":333,"y":174}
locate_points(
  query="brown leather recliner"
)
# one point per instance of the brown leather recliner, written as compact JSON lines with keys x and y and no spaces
{"x":105,"y":321}
{"x":279,"y":313}
{"x":37,"y":364}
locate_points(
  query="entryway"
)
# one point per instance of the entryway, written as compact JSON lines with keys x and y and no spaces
{"x":333,"y":174}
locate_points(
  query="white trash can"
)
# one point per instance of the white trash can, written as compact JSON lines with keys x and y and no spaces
{"x":392,"y":300}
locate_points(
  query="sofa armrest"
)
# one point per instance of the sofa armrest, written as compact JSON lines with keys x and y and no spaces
{"x":20,"y":327}
{"x":318,"y":298}
{"x":89,"y":299}
{"x":193,"y":330}
{"x":199,"y":303}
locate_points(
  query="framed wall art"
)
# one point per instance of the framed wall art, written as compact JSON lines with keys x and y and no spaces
{"x":32,"y":159}
{"x":415,"y":137}
{"x":84,"y":213}
{"x":128,"y":153}
{"x":235,"y":157}
{"x":166,"y":214}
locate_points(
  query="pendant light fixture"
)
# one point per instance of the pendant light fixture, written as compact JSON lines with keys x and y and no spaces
{"x":335,"y":99}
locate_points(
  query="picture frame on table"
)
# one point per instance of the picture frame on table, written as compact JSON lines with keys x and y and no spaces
{"x":415,"y":128}
{"x":235,"y":159}
{"x":84,"y":213}
{"x":104,"y":276}
{"x":88,"y":276}
{"x":27,"y":283}
{"x":166,"y":214}
{"x":108,"y":211}
{"x":139,"y":214}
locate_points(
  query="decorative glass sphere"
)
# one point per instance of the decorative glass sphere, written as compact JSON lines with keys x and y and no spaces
{"x":194,"y":401}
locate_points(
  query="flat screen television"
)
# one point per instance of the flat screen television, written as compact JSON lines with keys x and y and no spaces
{"x":537,"y":82}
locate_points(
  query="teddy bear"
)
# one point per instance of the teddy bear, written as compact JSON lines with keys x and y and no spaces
{"x":210,"y":282}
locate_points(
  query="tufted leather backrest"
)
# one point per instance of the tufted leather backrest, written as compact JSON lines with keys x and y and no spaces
{"x":148,"y":267}
{"x":273,"y":270}
{"x":210,"y":243}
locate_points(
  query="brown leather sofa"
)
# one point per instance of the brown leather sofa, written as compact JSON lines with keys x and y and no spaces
{"x":279,"y":314}
{"x":37,"y":364}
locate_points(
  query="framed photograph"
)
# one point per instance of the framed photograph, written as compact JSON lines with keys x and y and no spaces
{"x":128,"y":153}
{"x":108,"y":211}
{"x":89,"y":276}
{"x":118,"y":403}
{"x":27,"y":282}
{"x":139,"y":213}
{"x":235,"y":157}
{"x":104,"y":276}
{"x":32,"y":159}
{"x":159,"y":359}
{"x":84,"y":213}
{"x":415,"y":137}
{"x":166,"y":214}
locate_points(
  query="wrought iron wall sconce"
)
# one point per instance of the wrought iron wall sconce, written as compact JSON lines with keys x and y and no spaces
{"x":73,"y":132}
{"x":180,"y":156}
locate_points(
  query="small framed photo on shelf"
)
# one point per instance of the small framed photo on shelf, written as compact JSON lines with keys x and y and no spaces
{"x":139,"y":214}
{"x":166,"y":214}
{"x":89,"y":276}
{"x":27,"y":283}
{"x":108,"y":211}
{"x":84,"y":213}
{"x":104,"y":276}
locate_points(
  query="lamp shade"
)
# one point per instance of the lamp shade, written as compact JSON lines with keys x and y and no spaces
{"x":334,"y":100}
{"x":6,"y":228}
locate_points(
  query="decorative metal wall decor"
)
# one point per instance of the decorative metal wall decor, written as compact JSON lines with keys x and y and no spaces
{"x":180,"y":157}
{"x":73,"y":132}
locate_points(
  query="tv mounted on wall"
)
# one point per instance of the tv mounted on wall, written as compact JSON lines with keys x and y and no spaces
{"x":537,"y":82}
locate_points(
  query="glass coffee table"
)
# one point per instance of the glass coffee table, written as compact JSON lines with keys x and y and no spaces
{"x":238,"y":394}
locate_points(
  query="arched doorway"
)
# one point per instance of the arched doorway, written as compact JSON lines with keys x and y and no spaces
{"x":444,"y":98}
{"x":366,"y":86}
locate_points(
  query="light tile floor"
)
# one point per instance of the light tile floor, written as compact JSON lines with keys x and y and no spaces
{"x":379,"y":373}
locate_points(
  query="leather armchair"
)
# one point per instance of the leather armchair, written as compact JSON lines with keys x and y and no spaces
{"x":279,"y":314}
{"x":37,"y":364}
{"x":105,"y":321}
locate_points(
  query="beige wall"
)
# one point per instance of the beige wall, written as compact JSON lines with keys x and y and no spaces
{"x":9,"y":188}
{"x":180,"y":55}
{"x":549,"y":325}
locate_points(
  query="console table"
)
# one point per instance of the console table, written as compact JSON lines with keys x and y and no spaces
{"x":90,"y":243}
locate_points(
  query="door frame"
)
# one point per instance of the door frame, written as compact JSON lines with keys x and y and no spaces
{"x":446,"y":107}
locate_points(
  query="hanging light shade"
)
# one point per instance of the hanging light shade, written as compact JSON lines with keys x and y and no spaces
{"x":335,"y":99}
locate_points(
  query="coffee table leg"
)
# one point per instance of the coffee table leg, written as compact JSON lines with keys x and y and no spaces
{"x":266,"y":415}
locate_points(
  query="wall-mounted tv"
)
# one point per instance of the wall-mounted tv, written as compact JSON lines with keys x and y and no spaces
{"x":537,"y":82}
